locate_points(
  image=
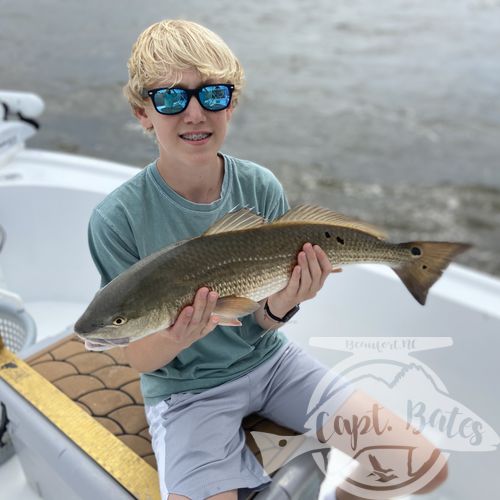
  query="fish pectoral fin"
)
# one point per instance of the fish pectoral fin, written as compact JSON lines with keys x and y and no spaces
{"x":223,"y":321}
{"x":236,"y":221}
{"x":231,"y":308}
{"x":312,"y":214}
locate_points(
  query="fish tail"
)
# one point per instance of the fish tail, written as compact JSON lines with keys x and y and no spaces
{"x":429,"y":260}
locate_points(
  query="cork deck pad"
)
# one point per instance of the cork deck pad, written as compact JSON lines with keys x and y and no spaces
{"x":105,"y":386}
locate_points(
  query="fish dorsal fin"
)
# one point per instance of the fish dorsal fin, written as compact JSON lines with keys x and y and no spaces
{"x":312,"y":214}
{"x":236,"y":221}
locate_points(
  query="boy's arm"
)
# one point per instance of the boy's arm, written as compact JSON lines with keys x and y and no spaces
{"x":308,"y":277}
{"x":112,"y":250}
{"x":193,"y":323}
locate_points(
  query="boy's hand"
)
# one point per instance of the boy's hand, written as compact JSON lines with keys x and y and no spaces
{"x":194,"y":321}
{"x":308,"y":277}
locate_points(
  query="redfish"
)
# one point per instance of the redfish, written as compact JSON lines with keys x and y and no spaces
{"x":245,"y":259}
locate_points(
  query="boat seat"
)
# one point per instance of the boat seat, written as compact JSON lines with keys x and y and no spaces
{"x":105,"y":386}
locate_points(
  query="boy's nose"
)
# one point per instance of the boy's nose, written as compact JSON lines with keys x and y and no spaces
{"x":194,"y":113}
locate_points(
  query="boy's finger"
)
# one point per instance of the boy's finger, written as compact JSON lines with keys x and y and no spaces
{"x":315,"y":267}
{"x":294,"y":282}
{"x":212,"y":323}
{"x":305,"y":275}
{"x":324,"y":265}
{"x":210,"y":303}
{"x":184,"y":317}
{"x":178,"y":329}
{"x":199,"y":305}
{"x":322,"y":257}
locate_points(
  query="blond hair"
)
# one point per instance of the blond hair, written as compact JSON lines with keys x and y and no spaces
{"x":167,"y":48}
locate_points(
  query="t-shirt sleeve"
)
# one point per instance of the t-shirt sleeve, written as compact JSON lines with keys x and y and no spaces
{"x":110,"y":252}
{"x":275,"y":202}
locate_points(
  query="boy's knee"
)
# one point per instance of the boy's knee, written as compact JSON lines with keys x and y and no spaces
{"x":435,"y":482}
{"x":226,"y":495}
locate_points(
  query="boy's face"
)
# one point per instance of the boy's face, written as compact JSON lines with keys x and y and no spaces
{"x":192,"y":137}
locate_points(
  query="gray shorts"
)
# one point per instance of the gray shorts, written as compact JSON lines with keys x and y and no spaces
{"x":198,"y":440}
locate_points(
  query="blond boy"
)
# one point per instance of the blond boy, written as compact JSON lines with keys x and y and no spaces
{"x":199,"y":379}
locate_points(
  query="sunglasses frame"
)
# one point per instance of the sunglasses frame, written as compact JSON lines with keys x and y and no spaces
{"x":190,"y":93}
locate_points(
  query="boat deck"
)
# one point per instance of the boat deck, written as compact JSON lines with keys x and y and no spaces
{"x":104,"y":386}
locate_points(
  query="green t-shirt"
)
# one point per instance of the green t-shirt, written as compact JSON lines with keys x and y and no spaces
{"x":144,"y":215}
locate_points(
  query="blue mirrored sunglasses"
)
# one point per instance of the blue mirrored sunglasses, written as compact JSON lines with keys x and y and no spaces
{"x":172,"y":101}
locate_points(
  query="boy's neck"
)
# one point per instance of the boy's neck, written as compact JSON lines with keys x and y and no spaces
{"x":200,"y":184}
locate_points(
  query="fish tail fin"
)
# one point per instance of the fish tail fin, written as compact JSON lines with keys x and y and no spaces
{"x":431,"y":259}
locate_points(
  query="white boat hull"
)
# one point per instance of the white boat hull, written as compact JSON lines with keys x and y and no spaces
{"x":45,"y":203}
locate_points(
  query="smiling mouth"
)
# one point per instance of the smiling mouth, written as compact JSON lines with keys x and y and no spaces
{"x":195,"y":137}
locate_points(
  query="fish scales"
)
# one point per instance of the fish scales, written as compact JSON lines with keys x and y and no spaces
{"x":257,"y":262}
{"x":244,"y":259}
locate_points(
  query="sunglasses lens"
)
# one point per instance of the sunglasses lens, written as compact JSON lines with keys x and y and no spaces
{"x":175,"y":100}
{"x":170,"y":101}
{"x":215,"y":97}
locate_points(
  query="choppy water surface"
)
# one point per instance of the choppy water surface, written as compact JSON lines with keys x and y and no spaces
{"x":389,"y":111}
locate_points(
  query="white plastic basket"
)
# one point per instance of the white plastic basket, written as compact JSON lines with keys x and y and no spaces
{"x":18,"y":331}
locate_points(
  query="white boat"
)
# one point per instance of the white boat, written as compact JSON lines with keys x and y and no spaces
{"x":45,"y":202}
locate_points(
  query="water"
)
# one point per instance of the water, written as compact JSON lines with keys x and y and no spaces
{"x":389,"y":111}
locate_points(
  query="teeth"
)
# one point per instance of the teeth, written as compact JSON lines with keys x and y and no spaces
{"x":195,"y":137}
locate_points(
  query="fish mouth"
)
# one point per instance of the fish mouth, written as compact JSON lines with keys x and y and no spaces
{"x":119,"y":341}
{"x":97,"y":346}
{"x":113,"y":342}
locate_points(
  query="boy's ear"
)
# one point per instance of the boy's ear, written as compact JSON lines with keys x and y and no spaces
{"x":142,"y":115}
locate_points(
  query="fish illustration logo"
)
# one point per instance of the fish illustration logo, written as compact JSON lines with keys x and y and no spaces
{"x":371,"y":458}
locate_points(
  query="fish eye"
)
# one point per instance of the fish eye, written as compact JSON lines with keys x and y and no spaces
{"x":119,"y":321}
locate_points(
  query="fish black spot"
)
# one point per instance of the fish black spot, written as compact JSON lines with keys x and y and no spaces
{"x":424,"y":267}
{"x":282,"y":443}
{"x":327,"y":234}
{"x":416,"y":251}
{"x":340,"y":240}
